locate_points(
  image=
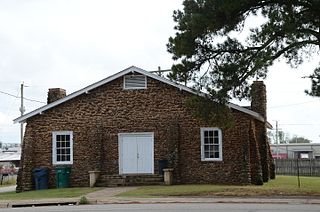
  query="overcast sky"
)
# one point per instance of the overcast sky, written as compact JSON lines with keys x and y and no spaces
{"x":71,"y":44}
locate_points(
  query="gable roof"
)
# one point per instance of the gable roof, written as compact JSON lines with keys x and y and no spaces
{"x":131,"y":69}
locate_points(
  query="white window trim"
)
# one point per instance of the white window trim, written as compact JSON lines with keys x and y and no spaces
{"x":54,"y":148}
{"x":134,"y":88}
{"x":202,"y":143}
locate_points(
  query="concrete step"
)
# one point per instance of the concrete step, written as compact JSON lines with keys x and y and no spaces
{"x":128,"y":180}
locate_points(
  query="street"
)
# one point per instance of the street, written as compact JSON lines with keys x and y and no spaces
{"x":202,"y":207}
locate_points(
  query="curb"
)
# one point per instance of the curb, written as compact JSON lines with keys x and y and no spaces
{"x":38,"y":203}
{"x":117,"y":200}
{"x":165,"y":200}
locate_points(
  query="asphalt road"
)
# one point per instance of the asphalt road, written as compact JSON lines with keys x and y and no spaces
{"x":181,"y":207}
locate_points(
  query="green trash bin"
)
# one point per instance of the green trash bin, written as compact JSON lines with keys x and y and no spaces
{"x":63,"y":177}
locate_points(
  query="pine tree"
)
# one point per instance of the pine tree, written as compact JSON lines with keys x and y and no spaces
{"x":208,"y":53}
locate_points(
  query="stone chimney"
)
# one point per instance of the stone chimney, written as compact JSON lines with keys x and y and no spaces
{"x":55,"y":93}
{"x":259,"y":98}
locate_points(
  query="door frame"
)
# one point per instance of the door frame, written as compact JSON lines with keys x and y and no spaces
{"x":137,"y":134}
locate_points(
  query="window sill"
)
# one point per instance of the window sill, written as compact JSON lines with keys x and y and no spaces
{"x":211,"y":160}
{"x":62,"y":163}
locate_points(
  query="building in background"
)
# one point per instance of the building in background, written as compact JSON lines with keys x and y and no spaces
{"x":296,"y":150}
{"x":10,"y":154}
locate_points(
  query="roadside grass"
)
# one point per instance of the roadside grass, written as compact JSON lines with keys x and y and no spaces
{"x":48,"y":193}
{"x":281,"y":186}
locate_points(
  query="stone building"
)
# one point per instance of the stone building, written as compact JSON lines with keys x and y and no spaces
{"x":125,"y":124}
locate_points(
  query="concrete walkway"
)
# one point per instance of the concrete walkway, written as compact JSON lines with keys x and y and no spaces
{"x":106,"y":193}
{"x":108,"y":196}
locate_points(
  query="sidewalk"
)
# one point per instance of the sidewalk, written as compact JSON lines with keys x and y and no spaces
{"x":108,"y":196}
{"x":7,"y":188}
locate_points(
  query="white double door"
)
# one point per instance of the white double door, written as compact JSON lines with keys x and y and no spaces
{"x":136,"y":153}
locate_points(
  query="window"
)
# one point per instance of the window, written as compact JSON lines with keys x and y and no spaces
{"x":62,"y":152}
{"x":135,"y":82}
{"x":211,"y":144}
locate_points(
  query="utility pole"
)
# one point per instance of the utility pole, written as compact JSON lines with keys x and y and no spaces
{"x":22,"y":110}
{"x":277,"y":140}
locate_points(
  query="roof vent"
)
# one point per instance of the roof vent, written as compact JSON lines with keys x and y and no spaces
{"x":135,"y":82}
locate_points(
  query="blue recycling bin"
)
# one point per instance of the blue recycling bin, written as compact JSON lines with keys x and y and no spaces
{"x":162,"y":165}
{"x":41,"y":178}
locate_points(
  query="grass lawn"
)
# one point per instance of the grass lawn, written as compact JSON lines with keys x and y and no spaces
{"x":48,"y":193}
{"x":282,"y":186}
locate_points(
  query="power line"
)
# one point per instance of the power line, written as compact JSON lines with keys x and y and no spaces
{"x":303,"y":124}
{"x":31,"y":100}
{"x":9,"y":94}
{"x":7,"y":142}
{"x":294,"y":104}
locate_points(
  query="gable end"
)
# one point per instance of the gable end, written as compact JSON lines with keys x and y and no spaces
{"x":125,"y":72}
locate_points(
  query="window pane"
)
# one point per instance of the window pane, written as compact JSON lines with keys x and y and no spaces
{"x":205,"y":133}
{"x":58,"y":138}
{"x":206,"y":140}
{"x":210,"y":148}
{"x":67,"y":137}
{"x":58,"y":157}
{"x":63,"y":158}
{"x":216,"y":154}
{"x":68,"y":144}
{"x":68,"y":151}
{"x":211,"y":155}
{"x":206,"y":148}
{"x":68,"y":157}
{"x":216,"y":148}
{"x":206,"y":154}
{"x":63,"y":137}
{"x":216,"y":133}
{"x":210,"y":140}
{"x":58,"y":144}
{"x":216,"y":140}
{"x":211,"y":133}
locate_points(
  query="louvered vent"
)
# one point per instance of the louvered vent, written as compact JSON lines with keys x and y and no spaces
{"x":135,"y":82}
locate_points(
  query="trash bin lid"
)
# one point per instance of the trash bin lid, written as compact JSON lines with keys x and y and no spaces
{"x":63,"y":169}
{"x":40,"y":169}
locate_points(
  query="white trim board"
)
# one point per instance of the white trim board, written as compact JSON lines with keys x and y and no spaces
{"x":131,"y":69}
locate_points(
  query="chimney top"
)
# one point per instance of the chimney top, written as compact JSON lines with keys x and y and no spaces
{"x":259,"y":98}
{"x":55,"y":94}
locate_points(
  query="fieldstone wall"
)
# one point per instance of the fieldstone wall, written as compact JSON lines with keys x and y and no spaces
{"x":25,"y":180}
{"x":255,"y":158}
{"x":259,"y":105}
{"x":97,"y":117}
{"x":234,"y":167}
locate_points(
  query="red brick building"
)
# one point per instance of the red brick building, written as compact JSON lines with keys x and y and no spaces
{"x":125,"y":124}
